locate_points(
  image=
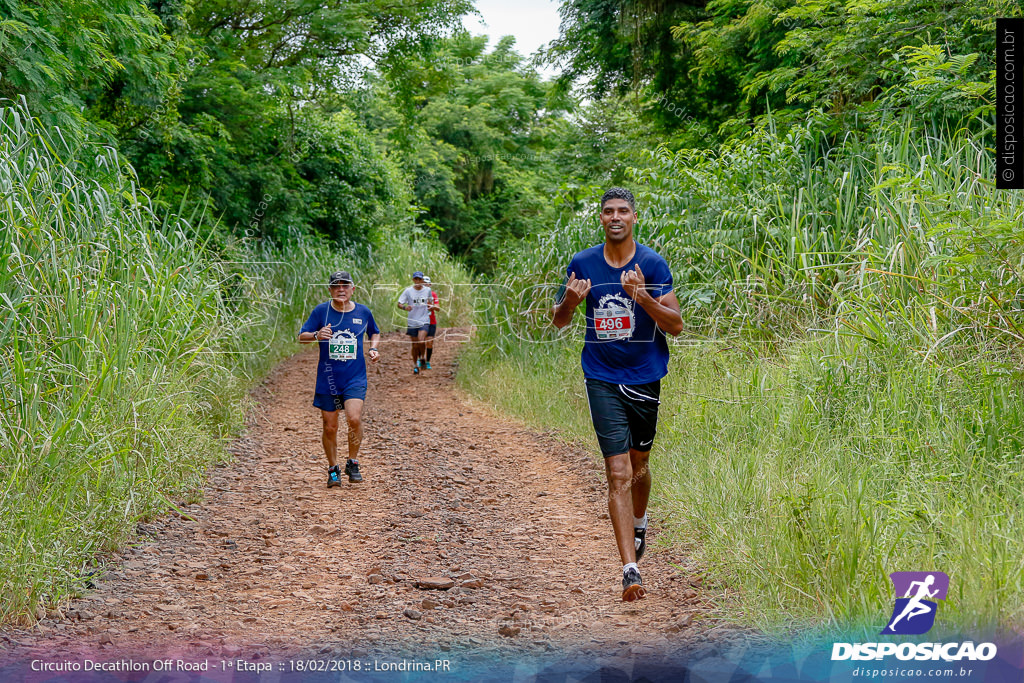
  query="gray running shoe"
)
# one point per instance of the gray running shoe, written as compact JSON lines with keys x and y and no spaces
{"x":333,"y":476}
{"x":632,"y":586}
{"x":352,"y":470}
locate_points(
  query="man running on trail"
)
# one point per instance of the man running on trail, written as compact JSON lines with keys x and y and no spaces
{"x":416,"y":299}
{"x":630,"y":308}
{"x":435,"y":305}
{"x":338,"y":327}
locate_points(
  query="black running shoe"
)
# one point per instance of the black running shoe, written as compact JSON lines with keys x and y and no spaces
{"x":416,"y":369}
{"x":632,"y":586}
{"x":352,"y":470}
{"x":640,"y":538}
{"x":333,"y":476}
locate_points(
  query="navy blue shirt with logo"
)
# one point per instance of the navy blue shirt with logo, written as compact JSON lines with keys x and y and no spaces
{"x":341,"y":362}
{"x":623,"y":344}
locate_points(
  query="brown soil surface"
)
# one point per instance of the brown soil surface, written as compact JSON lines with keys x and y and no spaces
{"x":272,"y":561}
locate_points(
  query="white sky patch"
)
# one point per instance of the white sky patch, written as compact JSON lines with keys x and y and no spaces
{"x":533,"y":23}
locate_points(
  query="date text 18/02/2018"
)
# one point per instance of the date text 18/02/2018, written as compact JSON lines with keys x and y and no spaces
{"x":327,"y":665}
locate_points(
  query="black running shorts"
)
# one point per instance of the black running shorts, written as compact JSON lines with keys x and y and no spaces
{"x":624,"y":415}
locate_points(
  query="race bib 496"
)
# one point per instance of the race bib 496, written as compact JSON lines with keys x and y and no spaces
{"x":613,"y":323}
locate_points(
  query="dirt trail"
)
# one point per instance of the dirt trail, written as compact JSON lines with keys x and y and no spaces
{"x":275,"y":562}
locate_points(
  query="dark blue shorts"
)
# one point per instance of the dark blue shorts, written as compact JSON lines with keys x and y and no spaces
{"x":431,"y":330}
{"x":624,"y":415}
{"x":330,"y":402}
{"x":415,"y":331}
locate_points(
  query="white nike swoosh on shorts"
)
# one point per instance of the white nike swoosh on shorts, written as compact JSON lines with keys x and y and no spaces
{"x":626,"y":391}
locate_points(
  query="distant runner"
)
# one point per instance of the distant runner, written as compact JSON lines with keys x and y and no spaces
{"x":416,"y":299}
{"x":338,"y":326}
{"x":434,"y":306}
{"x":630,"y":308}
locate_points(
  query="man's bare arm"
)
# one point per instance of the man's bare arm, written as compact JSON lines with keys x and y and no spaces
{"x":575,"y":292}
{"x":664,"y":309}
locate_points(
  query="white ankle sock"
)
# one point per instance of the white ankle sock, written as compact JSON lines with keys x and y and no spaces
{"x":640,"y":522}
{"x":627,"y":567}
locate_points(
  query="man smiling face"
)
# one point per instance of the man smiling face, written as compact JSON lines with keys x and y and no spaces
{"x":341,"y":294}
{"x":617,"y":218}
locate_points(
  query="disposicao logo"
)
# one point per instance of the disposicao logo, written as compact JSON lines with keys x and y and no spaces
{"x":914,"y":614}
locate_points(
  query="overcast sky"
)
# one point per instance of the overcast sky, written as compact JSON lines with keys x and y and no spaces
{"x":532,"y":22}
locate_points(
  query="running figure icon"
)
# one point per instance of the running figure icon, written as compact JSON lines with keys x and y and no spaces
{"x":915,"y":608}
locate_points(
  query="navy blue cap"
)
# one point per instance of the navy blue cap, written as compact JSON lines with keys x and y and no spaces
{"x":418,"y":274}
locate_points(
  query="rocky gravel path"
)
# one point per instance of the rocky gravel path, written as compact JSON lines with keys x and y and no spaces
{"x":469,"y":533}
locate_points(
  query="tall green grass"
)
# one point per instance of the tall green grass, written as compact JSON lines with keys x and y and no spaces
{"x":127,"y":344}
{"x":772,"y":233}
{"x":847,"y":401}
{"x":111,"y":320}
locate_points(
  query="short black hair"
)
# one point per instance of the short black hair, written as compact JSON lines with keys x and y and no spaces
{"x":619,"y":193}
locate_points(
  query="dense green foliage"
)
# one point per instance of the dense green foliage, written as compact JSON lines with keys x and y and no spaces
{"x":340,"y":118}
{"x":226,"y":108}
{"x":702,"y":64}
{"x":63,"y":57}
{"x":106,"y":309}
{"x":226,"y":101}
{"x":492,"y":153}
{"x":471,"y":127}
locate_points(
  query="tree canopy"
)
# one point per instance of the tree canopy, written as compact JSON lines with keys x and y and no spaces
{"x":343,"y":118}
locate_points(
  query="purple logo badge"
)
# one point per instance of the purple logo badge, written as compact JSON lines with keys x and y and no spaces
{"x":916,"y":593}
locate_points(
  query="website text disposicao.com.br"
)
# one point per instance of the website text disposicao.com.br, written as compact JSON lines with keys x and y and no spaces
{"x":951,"y":655}
{"x":869,"y":672}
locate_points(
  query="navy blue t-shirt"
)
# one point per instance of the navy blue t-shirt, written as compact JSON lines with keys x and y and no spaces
{"x":341,"y":362}
{"x":623,"y":344}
